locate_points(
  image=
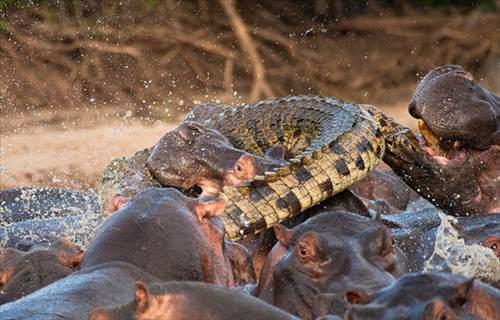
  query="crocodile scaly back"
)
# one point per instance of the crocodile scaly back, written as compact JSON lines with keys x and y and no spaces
{"x":332,"y":145}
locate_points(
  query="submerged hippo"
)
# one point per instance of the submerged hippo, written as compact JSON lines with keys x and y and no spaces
{"x":186,"y":157}
{"x":427,"y":297}
{"x":309,"y":270}
{"x":171,"y":236}
{"x":23,"y":272}
{"x":75,"y":296}
{"x":190,"y":301}
{"x":456,"y":165}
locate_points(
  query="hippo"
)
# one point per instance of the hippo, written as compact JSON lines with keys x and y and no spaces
{"x":383,"y":192}
{"x":312,"y":265}
{"x":169,"y":235}
{"x":23,"y":272}
{"x":426,"y":296}
{"x":188,"y":157}
{"x":75,"y":296}
{"x":456,"y":164}
{"x":190,"y":300}
{"x":259,"y":245}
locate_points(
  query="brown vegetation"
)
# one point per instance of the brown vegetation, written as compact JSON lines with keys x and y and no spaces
{"x":70,"y":65}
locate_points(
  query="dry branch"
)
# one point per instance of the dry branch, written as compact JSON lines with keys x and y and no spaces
{"x":260,"y":87}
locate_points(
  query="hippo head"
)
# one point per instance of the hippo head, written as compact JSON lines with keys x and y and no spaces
{"x":323,"y":257}
{"x":454,"y":162}
{"x":23,"y":272}
{"x":426,"y":297}
{"x":192,"y":155}
{"x":455,"y":111}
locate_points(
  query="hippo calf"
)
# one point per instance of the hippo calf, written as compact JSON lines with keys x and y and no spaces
{"x":190,"y":301}
{"x":427,"y":297}
{"x":456,"y":164}
{"x":170,"y":236}
{"x":23,"y":272}
{"x":312,"y":265}
{"x":190,"y":156}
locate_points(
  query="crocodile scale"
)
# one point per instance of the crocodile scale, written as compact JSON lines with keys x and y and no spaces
{"x":331,"y":144}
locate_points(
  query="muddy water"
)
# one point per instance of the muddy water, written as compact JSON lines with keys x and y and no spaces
{"x":36,"y":214}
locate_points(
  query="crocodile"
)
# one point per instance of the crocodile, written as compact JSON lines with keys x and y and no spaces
{"x":331,"y":144}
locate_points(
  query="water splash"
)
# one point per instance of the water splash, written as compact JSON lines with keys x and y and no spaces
{"x":37,"y":214}
{"x":451,"y":254}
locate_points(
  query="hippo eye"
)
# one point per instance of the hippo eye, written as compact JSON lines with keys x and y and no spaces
{"x":493,"y":246}
{"x":302,"y":251}
{"x":194,"y":128}
{"x":239,"y":168}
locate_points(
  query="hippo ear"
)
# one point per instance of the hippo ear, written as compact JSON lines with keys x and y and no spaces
{"x":141,"y":297}
{"x":205,"y":210}
{"x":71,"y":260}
{"x":188,"y":131}
{"x":282,"y":233}
{"x":357,"y":296}
{"x":438,"y":309}
{"x":99,"y":314}
{"x":463,"y":290}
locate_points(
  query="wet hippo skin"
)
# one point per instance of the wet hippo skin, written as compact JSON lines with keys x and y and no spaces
{"x":458,"y":169}
{"x":168,"y":235}
{"x":308,"y":271}
{"x":23,"y":272}
{"x":190,"y":301}
{"x":76,"y":295}
{"x":188,"y":157}
{"x":427,"y":297}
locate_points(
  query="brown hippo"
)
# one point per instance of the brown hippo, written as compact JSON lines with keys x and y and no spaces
{"x":171,"y":236}
{"x":260,"y":244}
{"x":190,"y":300}
{"x":309,"y":270}
{"x":76,"y":295}
{"x":190,"y":156}
{"x":23,"y":272}
{"x":456,"y":164}
{"x":427,"y":297}
{"x":384,"y":192}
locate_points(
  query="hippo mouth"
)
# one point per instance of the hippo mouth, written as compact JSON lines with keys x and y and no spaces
{"x":441,"y":150}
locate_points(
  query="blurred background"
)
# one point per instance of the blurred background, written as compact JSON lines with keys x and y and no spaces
{"x":82,"y":82}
